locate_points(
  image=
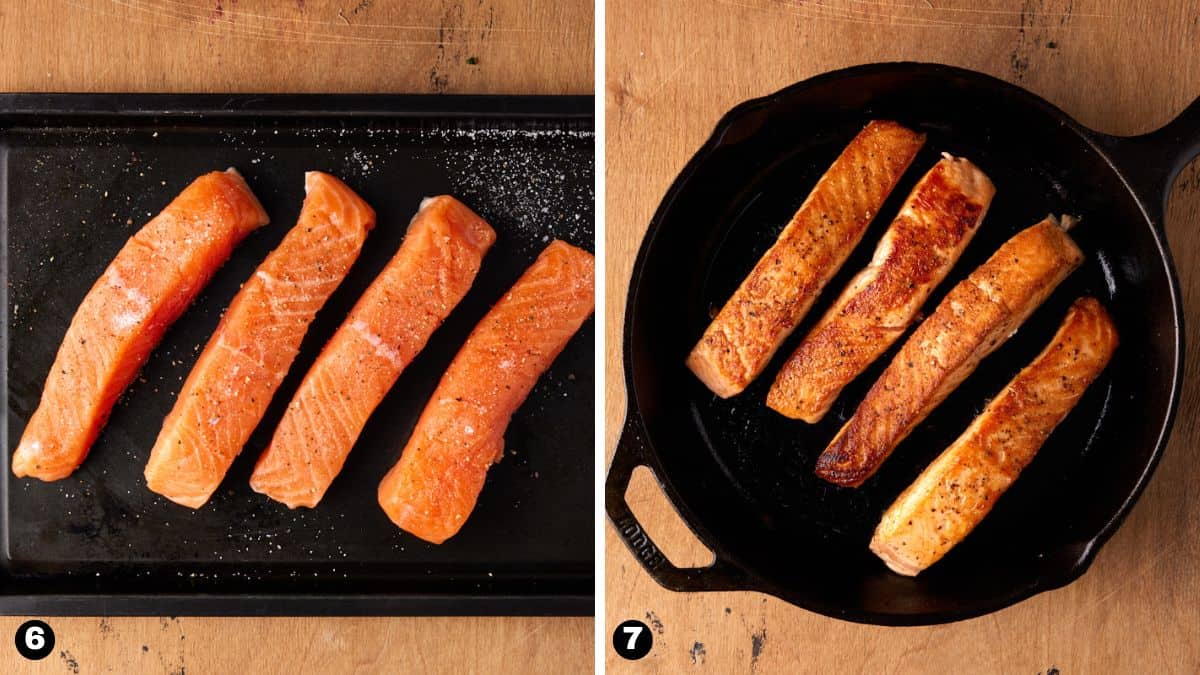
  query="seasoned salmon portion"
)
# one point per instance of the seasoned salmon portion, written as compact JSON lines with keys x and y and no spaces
{"x":976,"y":317}
{"x":957,"y":491}
{"x":432,"y":490}
{"x":785,"y":282}
{"x":387,"y":328}
{"x":237,"y":373}
{"x":149,"y":284}
{"x":920,"y":247}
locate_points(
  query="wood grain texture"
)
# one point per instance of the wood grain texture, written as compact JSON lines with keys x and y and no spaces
{"x":324,"y":46}
{"x":467,"y":46}
{"x":182,"y":645}
{"x":674,"y":67}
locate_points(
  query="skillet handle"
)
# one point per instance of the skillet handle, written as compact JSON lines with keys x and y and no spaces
{"x":1151,"y":162}
{"x":631,"y":453}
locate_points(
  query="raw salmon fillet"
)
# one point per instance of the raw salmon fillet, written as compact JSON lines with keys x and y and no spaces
{"x":432,"y":490}
{"x":247,"y":357}
{"x":387,"y":328}
{"x":954,"y":494}
{"x":773,"y":299}
{"x":150,"y":283}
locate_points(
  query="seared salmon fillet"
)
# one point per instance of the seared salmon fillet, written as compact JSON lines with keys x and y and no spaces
{"x":920,"y":247}
{"x":957,"y":491}
{"x":387,"y":328}
{"x":146,"y":287}
{"x":432,"y":490}
{"x":785,"y":282}
{"x":976,"y":317}
{"x":228,"y":390}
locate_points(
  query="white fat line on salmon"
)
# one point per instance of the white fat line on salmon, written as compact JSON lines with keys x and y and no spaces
{"x":141,"y":304}
{"x":300,"y":282}
{"x":236,"y":350}
{"x":381,"y":348}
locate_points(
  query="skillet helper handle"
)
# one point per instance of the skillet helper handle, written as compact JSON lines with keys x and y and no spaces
{"x":631,"y":453}
{"x":1151,"y":162}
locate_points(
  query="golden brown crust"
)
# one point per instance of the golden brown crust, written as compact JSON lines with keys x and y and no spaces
{"x":975,"y":318}
{"x":781,"y":288}
{"x":959,"y":488}
{"x":920,"y":247}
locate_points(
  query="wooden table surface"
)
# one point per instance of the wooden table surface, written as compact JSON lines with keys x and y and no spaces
{"x":673,"y":68}
{"x":467,"y":46}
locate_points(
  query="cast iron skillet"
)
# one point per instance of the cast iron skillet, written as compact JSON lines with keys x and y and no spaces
{"x":742,"y":477}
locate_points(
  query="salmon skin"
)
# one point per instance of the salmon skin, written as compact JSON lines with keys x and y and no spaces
{"x":919,"y":249}
{"x":957,"y":491}
{"x":146,"y":287}
{"x":432,"y":490}
{"x":783,"y":285}
{"x":247,"y":357}
{"x":976,"y":316}
{"x":387,"y":328}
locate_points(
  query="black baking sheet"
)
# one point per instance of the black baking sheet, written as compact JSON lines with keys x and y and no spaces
{"x":79,"y":174}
